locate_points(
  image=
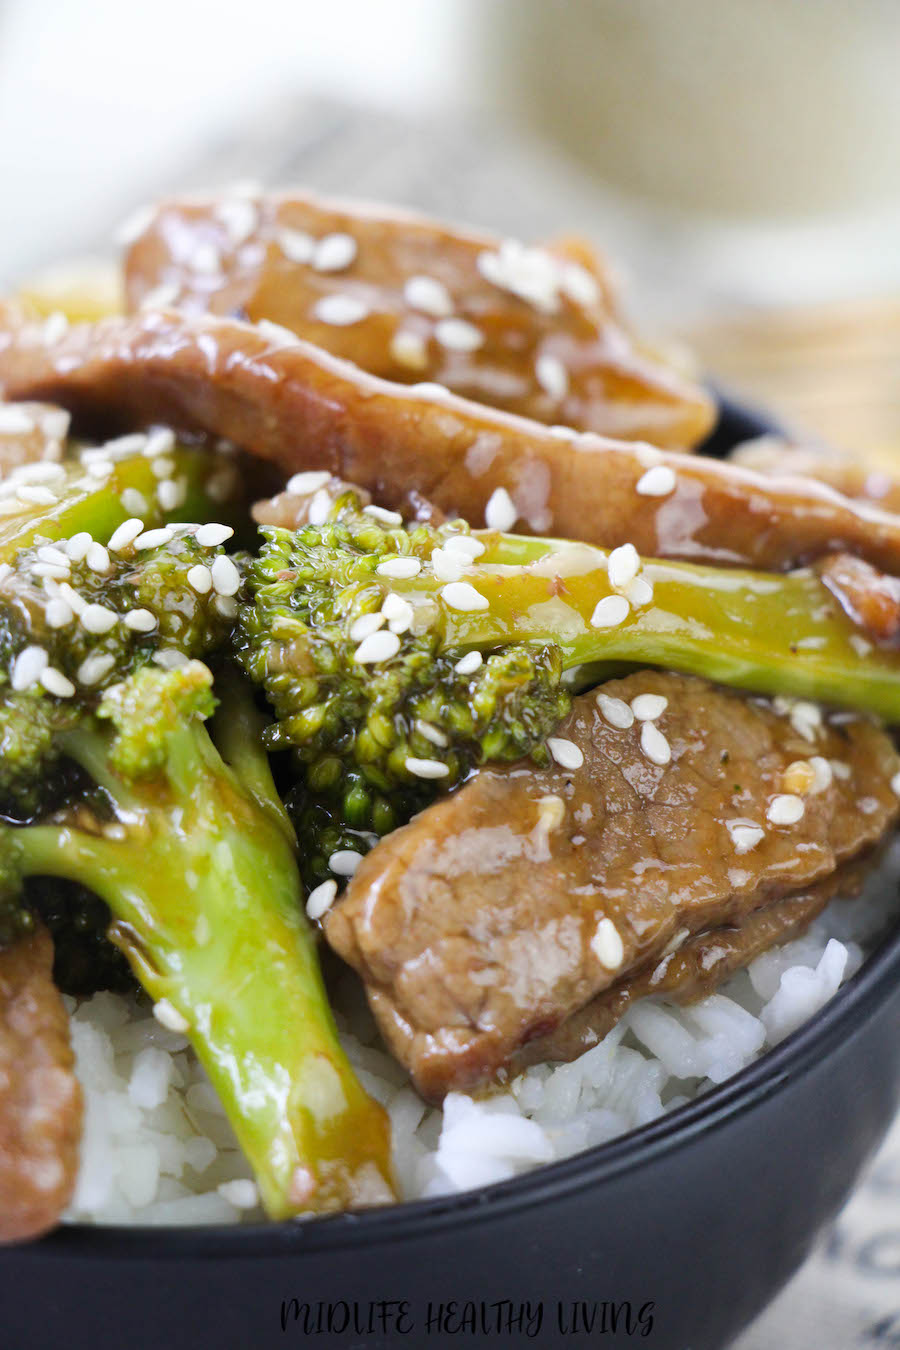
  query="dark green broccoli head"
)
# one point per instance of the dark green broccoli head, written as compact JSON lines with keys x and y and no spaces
{"x":378,"y":709}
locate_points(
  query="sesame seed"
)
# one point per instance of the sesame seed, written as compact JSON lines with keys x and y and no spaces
{"x":158,"y":441}
{"x":100,"y":468}
{"x":647,"y":707}
{"x":205,"y":258}
{"x":134,"y":501}
{"x":468,"y":664}
{"x":36,"y":496}
{"x":240,"y":218}
{"x":607,"y":945}
{"x":785,"y":809}
{"x":377,"y":647}
{"x":226,"y":605}
{"x":532,"y":274}
{"x":448,"y":565}
{"x":458,"y":335}
{"x":656,"y":482}
{"x":615,"y":711}
{"x":162,"y":467}
{"x":429,"y":389}
{"x":93,"y":668}
{"x":398,"y":612}
{"x":39,"y":473}
{"x":56,"y":325}
{"x":72,"y":597}
{"x":639,"y":593}
{"x":169,"y":658}
{"x":461,"y":596}
{"x":566,"y":753}
{"x":15,"y":421}
{"x":47,"y":553}
{"x":199,"y":578}
{"x":125,"y":535}
{"x":426,"y":768}
{"x":171,"y":494}
{"x":58,"y":613}
{"x":140,"y":621}
{"x":154,"y":538}
{"x":432,"y":734}
{"x":301,"y":483}
{"x":500,"y":513}
{"x":169,"y":1017}
{"x":624,"y":565}
{"x":97,"y":558}
{"x":242,"y":1193}
{"x":409,"y":349}
{"x":98,"y":619}
{"x":379,"y":513}
{"x":213,"y":534}
{"x":319,"y":508}
{"x":366,"y":625}
{"x":225,"y":576}
{"x":577,"y":283}
{"x":78,"y":545}
{"x":895,"y":784}
{"x":744,"y":835}
{"x":345,"y":862}
{"x":321,"y":898}
{"x":340,"y":310}
{"x":28,"y":667}
{"x":399,"y":568}
{"x":52,"y":571}
{"x":465,"y":543}
{"x":428,"y":295}
{"x":120,"y":447}
{"x":296,"y":245}
{"x":610,"y":612}
{"x":843,"y":771}
{"x":798,"y":777}
{"x":55,"y":423}
{"x":334,"y":253}
{"x":55,"y":682}
{"x":552,"y":375}
{"x":654,"y":744}
{"x":551,"y":812}
{"x":823,"y":771}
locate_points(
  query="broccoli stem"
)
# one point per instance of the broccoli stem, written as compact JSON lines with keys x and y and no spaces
{"x":86,"y":503}
{"x":771,"y":633}
{"x":201,"y":878}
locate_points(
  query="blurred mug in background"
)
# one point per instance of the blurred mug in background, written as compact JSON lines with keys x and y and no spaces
{"x":734,"y":108}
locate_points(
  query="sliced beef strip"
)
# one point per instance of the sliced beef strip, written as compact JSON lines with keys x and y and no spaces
{"x":847,"y":473}
{"x":303,"y":409}
{"x":695,"y":967}
{"x":433,"y":305}
{"x":40,"y":1098}
{"x":495,"y":915}
{"x":870,"y":599}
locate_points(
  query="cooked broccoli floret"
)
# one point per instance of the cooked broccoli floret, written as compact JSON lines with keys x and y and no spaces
{"x":115,"y":784}
{"x":396,"y":659}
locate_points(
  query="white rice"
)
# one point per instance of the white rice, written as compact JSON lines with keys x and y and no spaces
{"x":157,"y":1148}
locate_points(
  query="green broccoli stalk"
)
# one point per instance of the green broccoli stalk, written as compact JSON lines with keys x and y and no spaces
{"x":195,"y":858}
{"x":397,"y":659}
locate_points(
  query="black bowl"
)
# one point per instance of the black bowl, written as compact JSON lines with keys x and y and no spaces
{"x":677,"y":1234}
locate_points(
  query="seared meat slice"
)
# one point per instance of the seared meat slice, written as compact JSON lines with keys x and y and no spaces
{"x":871,"y":599}
{"x":303,"y":409}
{"x":40,"y":1099}
{"x":848,"y":474}
{"x":694,"y":967}
{"x":529,"y":330}
{"x":510,"y":904}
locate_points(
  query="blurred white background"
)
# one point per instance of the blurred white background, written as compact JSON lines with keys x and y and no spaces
{"x":759,"y":138}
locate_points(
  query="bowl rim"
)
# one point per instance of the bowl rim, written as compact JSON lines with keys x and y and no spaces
{"x":798,"y":1053}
